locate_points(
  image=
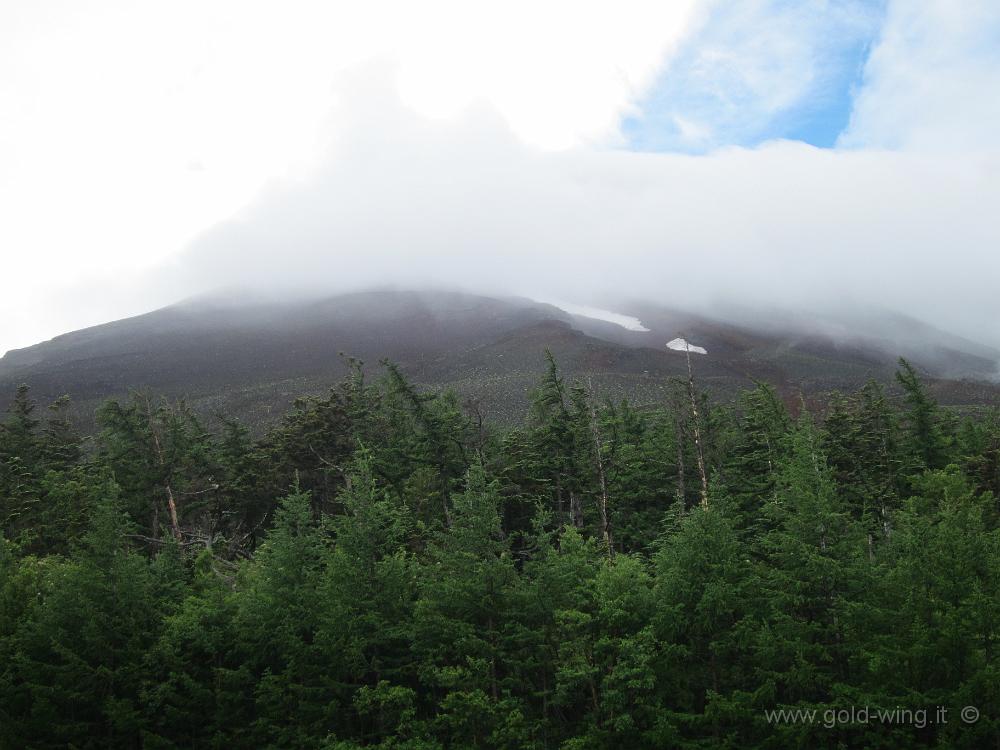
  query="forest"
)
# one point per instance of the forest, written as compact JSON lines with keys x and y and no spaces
{"x":386,"y":568}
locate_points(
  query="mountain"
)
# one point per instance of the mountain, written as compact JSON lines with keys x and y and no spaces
{"x":250,"y":356}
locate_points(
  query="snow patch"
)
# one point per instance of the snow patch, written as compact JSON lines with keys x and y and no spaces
{"x":627,"y":322}
{"x":680,"y":345}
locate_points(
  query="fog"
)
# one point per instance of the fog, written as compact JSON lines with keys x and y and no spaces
{"x":402,"y":200}
{"x":118,"y":193}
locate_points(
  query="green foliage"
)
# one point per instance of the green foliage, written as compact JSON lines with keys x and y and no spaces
{"x":927,"y":436}
{"x":427,"y":584}
{"x":78,"y":653}
{"x":706,"y":597}
{"x":758,"y":445}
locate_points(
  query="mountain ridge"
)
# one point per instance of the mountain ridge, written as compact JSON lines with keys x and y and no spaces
{"x":255,"y":356}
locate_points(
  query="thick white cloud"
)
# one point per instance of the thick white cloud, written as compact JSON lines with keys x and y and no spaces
{"x":468,"y":155}
{"x":127,"y":127}
{"x":403,"y":200}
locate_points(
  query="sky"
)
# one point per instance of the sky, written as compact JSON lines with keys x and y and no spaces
{"x":699,"y":152}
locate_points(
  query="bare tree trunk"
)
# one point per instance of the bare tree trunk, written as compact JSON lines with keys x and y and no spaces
{"x":699,"y":453}
{"x":171,"y":505}
{"x":681,"y":489}
{"x":602,"y":479}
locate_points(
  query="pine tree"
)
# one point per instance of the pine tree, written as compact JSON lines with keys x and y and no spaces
{"x":18,"y":438}
{"x":706,"y":594}
{"x":398,"y":597}
{"x":198,"y":688}
{"x":554,"y":448}
{"x":165,"y":462}
{"x":557,"y":606}
{"x":749,"y":473}
{"x":59,"y":444}
{"x":862,"y":444}
{"x":20,"y":469}
{"x":80,"y":651}
{"x":277,"y":619}
{"x":927,"y":441}
{"x":980,"y":451}
{"x":815,"y":565}
{"x":642,"y":475}
{"x":626,"y":651}
{"x":366,"y":596}
{"x":943,"y":578}
{"x":460,"y":622}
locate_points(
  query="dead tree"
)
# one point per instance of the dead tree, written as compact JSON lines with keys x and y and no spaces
{"x":171,"y":504}
{"x":679,"y":439}
{"x":699,"y":452}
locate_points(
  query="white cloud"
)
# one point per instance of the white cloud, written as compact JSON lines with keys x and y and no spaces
{"x":128,"y":131}
{"x":559,"y":72}
{"x":932,"y":81}
{"x":405,"y":201}
{"x":127,"y":127}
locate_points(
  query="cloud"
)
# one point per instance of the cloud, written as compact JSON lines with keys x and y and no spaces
{"x":404,"y":200}
{"x":931,"y":81}
{"x":486,"y":160}
{"x":105,"y":109}
{"x":559,"y":72}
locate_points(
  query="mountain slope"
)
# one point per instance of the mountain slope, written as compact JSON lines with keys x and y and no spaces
{"x":252,"y":357}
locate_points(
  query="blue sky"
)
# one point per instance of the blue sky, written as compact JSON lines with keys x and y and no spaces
{"x":759,"y":71}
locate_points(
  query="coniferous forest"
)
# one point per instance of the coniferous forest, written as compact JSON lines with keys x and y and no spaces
{"x":384,"y":568}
